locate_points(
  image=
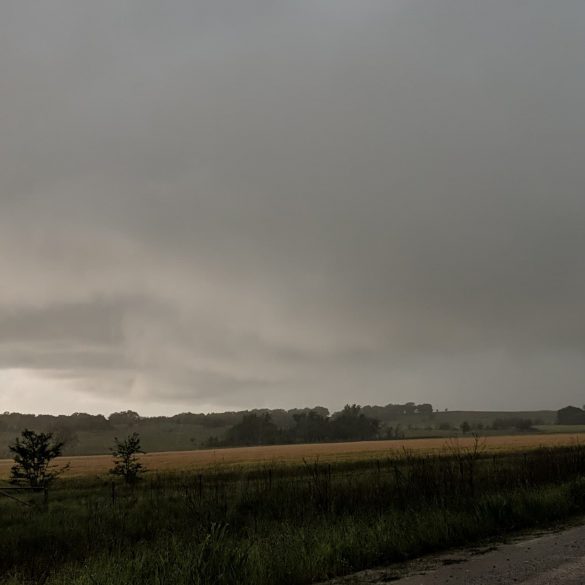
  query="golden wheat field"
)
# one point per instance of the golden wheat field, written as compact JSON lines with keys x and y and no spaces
{"x":273,"y":454}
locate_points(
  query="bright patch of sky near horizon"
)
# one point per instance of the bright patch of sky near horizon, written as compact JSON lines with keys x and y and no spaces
{"x":211,"y":205}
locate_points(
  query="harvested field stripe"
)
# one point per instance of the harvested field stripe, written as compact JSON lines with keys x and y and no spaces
{"x":201,"y":459}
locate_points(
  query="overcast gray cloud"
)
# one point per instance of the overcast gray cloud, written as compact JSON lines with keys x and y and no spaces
{"x":227,"y":204}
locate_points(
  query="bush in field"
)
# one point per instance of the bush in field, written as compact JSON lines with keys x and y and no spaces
{"x":520,"y":424}
{"x":125,"y":453}
{"x":571,"y":415}
{"x":33,"y":453}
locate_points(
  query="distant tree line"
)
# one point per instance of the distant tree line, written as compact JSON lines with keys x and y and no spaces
{"x":311,"y":426}
{"x":397,"y":411}
{"x":15,"y":421}
{"x":65,"y":426}
{"x":270,"y":426}
{"x":247,"y":427}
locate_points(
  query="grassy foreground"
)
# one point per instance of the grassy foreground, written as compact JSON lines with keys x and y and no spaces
{"x":290,"y":524}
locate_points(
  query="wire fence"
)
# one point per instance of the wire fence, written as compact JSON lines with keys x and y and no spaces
{"x":11,"y":492}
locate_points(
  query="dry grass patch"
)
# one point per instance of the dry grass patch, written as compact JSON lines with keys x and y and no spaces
{"x":197,"y":460}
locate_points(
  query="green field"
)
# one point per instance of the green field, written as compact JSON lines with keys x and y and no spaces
{"x":160,"y":437}
{"x":294,"y":524}
{"x":560,"y":429}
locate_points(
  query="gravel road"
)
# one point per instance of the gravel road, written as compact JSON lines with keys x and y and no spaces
{"x":545,"y":559}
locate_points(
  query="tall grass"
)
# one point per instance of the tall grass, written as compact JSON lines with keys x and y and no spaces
{"x":283,"y":524}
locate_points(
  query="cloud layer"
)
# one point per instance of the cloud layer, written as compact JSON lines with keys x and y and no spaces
{"x":210,"y":205}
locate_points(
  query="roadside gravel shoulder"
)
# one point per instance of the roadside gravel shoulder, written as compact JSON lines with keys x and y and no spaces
{"x":533,"y":558}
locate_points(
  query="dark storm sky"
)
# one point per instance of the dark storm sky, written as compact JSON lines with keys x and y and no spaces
{"x":235,"y":204}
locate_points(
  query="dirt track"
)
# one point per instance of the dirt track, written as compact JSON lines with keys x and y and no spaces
{"x":554,"y":558}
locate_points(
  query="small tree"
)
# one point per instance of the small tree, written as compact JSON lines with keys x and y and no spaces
{"x":33,"y":453}
{"x":125,"y":453}
{"x":465,"y":427}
